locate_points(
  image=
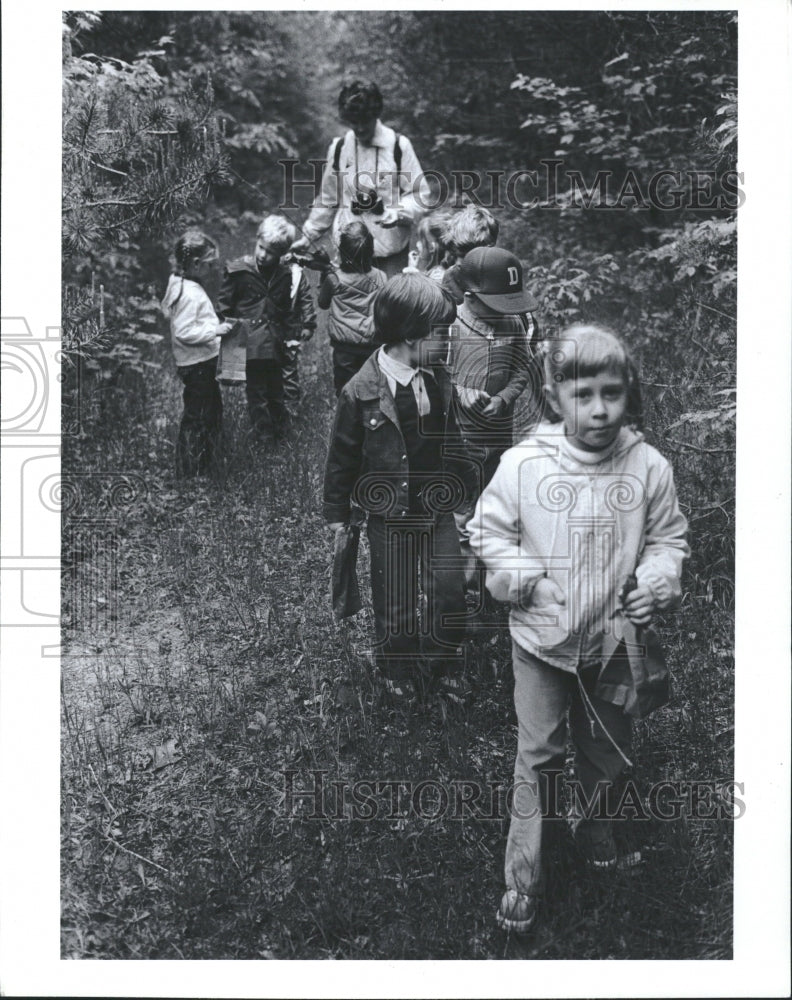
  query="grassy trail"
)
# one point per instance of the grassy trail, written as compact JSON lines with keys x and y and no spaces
{"x":206,"y":664}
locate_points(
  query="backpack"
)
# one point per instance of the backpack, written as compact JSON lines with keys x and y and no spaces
{"x":339,"y":143}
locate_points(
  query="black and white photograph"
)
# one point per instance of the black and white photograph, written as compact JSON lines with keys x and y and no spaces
{"x":380,"y":508}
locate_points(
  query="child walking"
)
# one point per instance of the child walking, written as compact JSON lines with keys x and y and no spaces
{"x":471,"y":228}
{"x":490,"y":368}
{"x":349,"y":295}
{"x":195,"y":342}
{"x":395,"y":451}
{"x":258,"y":288}
{"x":580,"y":520}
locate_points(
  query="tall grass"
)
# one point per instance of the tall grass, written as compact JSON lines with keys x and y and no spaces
{"x":224,"y":668}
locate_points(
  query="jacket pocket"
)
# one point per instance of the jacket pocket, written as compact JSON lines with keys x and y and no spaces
{"x":551,"y":623}
{"x":373,"y":418}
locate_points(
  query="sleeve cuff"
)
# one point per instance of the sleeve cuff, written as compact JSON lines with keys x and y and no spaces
{"x":664,"y":594}
{"x":336,"y":512}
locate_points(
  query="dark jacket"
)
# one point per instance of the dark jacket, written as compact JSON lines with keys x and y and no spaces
{"x":276,"y":315}
{"x":367,"y":458}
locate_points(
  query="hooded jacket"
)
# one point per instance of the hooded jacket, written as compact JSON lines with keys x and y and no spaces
{"x":586,"y":520}
{"x":193,"y":321}
{"x":278,"y":305}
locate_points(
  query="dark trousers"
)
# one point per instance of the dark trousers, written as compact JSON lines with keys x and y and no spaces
{"x":201,"y":428}
{"x":291,"y":374}
{"x":417,"y":594}
{"x":264,"y":390}
{"x":348,"y":359}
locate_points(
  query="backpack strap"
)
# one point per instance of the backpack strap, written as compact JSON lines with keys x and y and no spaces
{"x":339,"y":143}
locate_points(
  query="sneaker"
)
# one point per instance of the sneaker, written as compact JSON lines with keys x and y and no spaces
{"x":595,"y":842}
{"x":628,"y":850}
{"x":517,"y":912}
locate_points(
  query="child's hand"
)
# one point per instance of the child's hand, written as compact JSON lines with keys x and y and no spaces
{"x":547,"y":592}
{"x":225,"y":328}
{"x":494,"y":407}
{"x":471,"y":398}
{"x":639,"y":605}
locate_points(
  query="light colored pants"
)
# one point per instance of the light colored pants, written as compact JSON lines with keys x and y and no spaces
{"x":542,"y":695}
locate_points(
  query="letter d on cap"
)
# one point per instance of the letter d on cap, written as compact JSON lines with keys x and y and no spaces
{"x":514,"y":276}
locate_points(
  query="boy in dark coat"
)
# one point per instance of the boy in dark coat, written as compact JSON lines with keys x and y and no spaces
{"x":260,"y":289}
{"x":395,"y":451}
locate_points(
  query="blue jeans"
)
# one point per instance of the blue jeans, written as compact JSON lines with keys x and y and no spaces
{"x":542,"y":695}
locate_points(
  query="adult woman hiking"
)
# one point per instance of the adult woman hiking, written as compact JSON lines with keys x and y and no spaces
{"x":373,"y":175}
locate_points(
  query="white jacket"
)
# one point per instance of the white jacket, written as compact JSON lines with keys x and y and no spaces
{"x":587,"y":520}
{"x":377,"y":168}
{"x":193,"y":321}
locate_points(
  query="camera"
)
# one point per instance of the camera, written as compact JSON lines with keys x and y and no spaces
{"x":314,"y":261}
{"x":366,"y":200}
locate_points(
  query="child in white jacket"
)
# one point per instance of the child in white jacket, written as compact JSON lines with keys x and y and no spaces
{"x":195,"y":341}
{"x":572,"y":513}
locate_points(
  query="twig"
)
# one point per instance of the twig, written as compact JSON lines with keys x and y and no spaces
{"x":718,"y":311}
{"x":228,"y":848}
{"x":102,"y":204}
{"x":110,"y":170}
{"x":140,"y":857}
{"x":108,"y":803}
{"x":702,"y":346}
{"x":704,"y":451}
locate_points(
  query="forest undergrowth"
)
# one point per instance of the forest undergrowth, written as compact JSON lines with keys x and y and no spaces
{"x":205,"y":684}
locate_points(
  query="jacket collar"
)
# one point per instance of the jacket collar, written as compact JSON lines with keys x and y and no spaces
{"x":383,"y":137}
{"x":373,"y":385}
{"x":248,"y":263}
{"x":474,"y":323}
{"x":503,"y":325}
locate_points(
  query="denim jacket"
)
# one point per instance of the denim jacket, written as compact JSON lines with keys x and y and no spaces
{"x":367,"y":458}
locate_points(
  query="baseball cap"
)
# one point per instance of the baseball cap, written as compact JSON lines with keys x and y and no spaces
{"x":496,"y":277}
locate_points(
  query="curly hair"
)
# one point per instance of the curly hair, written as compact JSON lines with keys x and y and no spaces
{"x":473,"y":227}
{"x":359,"y":101}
